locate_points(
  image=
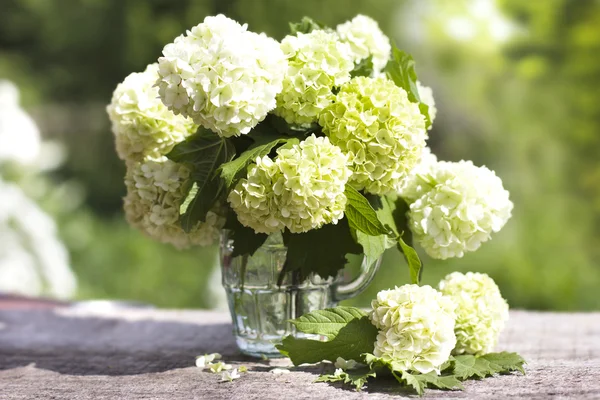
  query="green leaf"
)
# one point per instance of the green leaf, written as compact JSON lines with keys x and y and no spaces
{"x":357,"y":337}
{"x":321,"y":251}
{"x":203,"y":153}
{"x":363,"y":68}
{"x":327,"y":322}
{"x":412,"y":259}
{"x":374,"y":246}
{"x":245,"y":240}
{"x":236,"y":169}
{"x":469,"y":366}
{"x":401,"y":70}
{"x":357,"y":378}
{"x":421,"y":381}
{"x":199,"y":203}
{"x":361,"y":215}
{"x":306,"y":25}
{"x":505,"y":362}
{"x":400,"y":216}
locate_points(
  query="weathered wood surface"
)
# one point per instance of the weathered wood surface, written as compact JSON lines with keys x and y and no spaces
{"x":149,"y":354}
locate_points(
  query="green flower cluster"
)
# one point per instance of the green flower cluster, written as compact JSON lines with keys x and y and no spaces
{"x":317,"y":62}
{"x":383,"y":133}
{"x":480,"y":314}
{"x":301,"y":189}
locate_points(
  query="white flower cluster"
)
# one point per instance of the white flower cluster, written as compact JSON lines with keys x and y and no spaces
{"x":301,"y":189}
{"x":383,"y":133}
{"x":222,"y":76}
{"x":143,"y":126}
{"x":416,"y":328}
{"x":481,"y":311}
{"x":155,"y":191}
{"x":365,"y":39}
{"x":455,"y":207}
{"x":33,"y":261}
{"x":318,"y":62}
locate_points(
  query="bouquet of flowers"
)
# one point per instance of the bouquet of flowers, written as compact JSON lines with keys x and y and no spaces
{"x":321,"y":138}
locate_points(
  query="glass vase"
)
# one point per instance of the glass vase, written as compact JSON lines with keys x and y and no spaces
{"x":261,"y":307}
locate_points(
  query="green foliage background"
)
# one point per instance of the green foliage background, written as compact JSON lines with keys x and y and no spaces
{"x":527,"y":107}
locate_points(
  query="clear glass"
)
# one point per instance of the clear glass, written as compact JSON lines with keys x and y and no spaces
{"x":260,"y":308}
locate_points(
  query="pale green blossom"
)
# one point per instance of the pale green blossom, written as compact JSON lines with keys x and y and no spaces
{"x":382,"y":132}
{"x":455,"y":207}
{"x":480,"y":314}
{"x":301,"y":189}
{"x":217,"y":367}
{"x":318,"y":62}
{"x":143,"y":126}
{"x":366,"y":39}
{"x":221,"y":75}
{"x":230,"y":376}
{"x":155,"y":191}
{"x":416,"y":328}
{"x":205,"y":360}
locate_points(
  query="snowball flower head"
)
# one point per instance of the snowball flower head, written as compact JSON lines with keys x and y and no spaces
{"x":221,"y":75}
{"x":143,"y":126}
{"x":382,"y":132}
{"x":365,"y":39}
{"x":455,"y":207}
{"x":302,"y":189}
{"x":426,"y":95}
{"x":480,"y":314}
{"x":155,"y":190}
{"x":416,"y":327}
{"x":318,"y":62}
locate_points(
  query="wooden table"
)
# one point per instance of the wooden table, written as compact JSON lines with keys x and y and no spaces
{"x":66,"y":353}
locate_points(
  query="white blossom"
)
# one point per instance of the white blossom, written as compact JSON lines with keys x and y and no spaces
{"x":480,"y":314}
{"x":221,"y":75}
{"x":416,"y":328}
{"x":365,"y":39}
{"x":455,"y":207}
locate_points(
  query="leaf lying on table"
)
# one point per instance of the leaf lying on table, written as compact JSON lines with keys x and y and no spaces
{"x":355,"y":338}
{"x":421,"y":381}
{"x":357,"y":378}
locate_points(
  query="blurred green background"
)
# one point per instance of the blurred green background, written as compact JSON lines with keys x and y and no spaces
{"x":517,"y":86}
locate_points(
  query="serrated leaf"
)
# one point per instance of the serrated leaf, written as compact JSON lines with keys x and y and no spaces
{"x":358,"y":378}
{"x":327,"y":322}
{"x":321,"y":251}
{"x":401,"y":70}
{"x":357,"y":337}
{"x":421,"y":381}
{"x":505,"y":362}
{"x":361,"y":215}
{"x":203,"y":153}
{"x":374,"y":246}
{"x":469,"y":366}
{"x":306,"y":25}
{"x":413,"y":261}
{"x":363,"y":68}
{"x":236,"y":169}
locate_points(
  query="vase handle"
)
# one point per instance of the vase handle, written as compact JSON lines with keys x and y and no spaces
{"x":353,"y":288}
